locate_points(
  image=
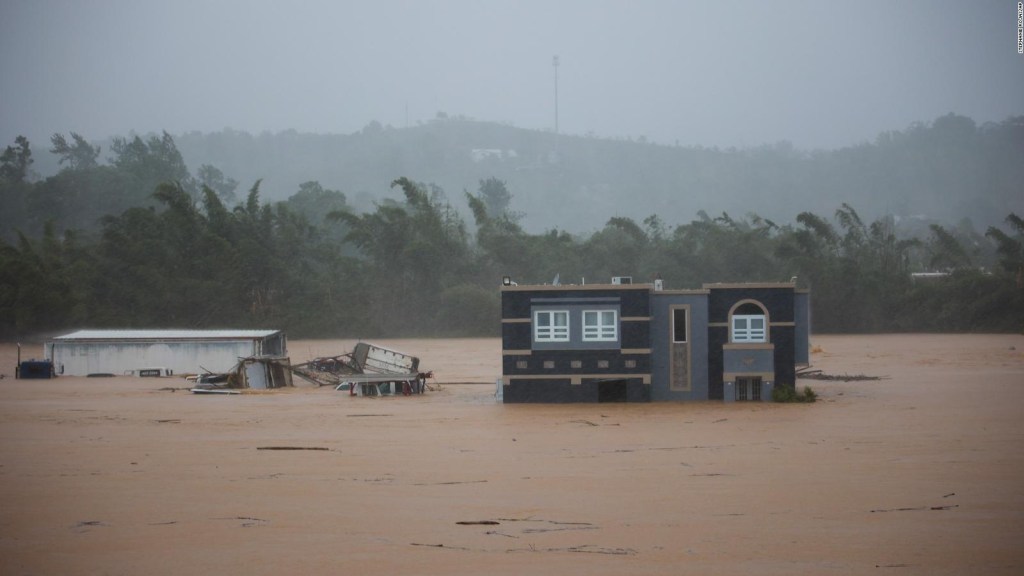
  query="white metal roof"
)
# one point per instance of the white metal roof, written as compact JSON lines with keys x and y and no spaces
{"x":167,"y":334}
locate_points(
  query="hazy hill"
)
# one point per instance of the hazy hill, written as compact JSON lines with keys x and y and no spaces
{"x":948,"y":170}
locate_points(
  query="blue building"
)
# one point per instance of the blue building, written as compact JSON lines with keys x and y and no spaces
{"x":624,"y":342}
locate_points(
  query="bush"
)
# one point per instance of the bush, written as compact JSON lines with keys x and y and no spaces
{"x":789,"y":394}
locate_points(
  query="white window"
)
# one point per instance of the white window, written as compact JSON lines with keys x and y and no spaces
{"x":551,"y":326}
{"x":600,"y":325}
{"x":748,"y":328}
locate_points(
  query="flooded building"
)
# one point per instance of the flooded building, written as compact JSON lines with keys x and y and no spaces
{"x":625,"y":342}
{"x":167,"y":352}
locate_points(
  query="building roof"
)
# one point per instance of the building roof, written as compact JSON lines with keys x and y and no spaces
{"x":112,"y":335}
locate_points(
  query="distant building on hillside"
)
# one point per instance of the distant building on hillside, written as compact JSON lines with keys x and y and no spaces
{"x":171,"y":351}
{"x":624,"y":342}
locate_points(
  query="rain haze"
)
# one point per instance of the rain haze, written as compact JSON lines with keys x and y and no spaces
{"x":736,"y":74}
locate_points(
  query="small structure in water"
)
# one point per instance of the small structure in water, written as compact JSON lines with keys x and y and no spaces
{"x":33,"y":369}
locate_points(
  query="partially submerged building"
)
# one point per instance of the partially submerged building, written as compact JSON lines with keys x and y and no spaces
{"x":639,"y":343}
{"x":168,"y":351}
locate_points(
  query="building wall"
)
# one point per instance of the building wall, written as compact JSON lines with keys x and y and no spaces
{"x":661,"y":345}
{"x":779,"y":302}
{"x":576,"y":370}
{"x":81,"y":358}
{"x":641,"y":364}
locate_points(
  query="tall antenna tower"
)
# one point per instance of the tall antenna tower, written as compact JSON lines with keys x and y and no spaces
{"x":554,"y":62}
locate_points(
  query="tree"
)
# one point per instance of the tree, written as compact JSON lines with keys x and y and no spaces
{"x":79,"y":156}
{"x":945,"y":251}
{"x":495,"y":196}
{"x":36,"y":294}
{"x":1010,"y":248}
{"x":211,"y":177}
{"x":152,"y":162}
{"x":16,"y":161}
{"x":411,"y":252}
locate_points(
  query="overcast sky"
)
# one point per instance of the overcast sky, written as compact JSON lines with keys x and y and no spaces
{"x":818,"y":74}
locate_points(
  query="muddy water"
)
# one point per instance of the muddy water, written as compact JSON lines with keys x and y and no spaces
{"x":916,"y":473}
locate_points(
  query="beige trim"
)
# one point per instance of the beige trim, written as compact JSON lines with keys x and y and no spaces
{"x":621,"y":351}
{"x":515,"y":320}
{"x":564,"y":287}
{"x":752,"y":285}
{"x":705,"y":289}
{"x":683,"y":292}
{"x":686,"y":385}
{"x":770,"y":324}
{"x":635,"y":318}
{"x":575,"y":379}
{"x":749,"y":346}
{"x":767,"y":317}
{"x":732,"y":376}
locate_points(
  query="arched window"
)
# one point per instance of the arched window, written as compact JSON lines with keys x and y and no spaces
{"x":748,"y":322}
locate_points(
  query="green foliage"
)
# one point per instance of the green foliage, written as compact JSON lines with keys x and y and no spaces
{"x":948,"y":169}
{"x":97,"y":245}
{"x":211,"y":177}
{"x":468,"y":309}
{"x":790,"y":395}
{"x":15,"y":161}
{"x":1010,"y":248}
{"x":80,"y":155}
{"x":151,"y":162}
{"x":495,"y":196}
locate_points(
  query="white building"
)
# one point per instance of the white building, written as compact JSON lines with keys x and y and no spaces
{"x":175,"y":351}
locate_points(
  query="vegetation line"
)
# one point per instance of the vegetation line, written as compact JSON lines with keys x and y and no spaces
{"x":141,"y":242}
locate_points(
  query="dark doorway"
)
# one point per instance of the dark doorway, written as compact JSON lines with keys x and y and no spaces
{"x":611,"y":391}
{"x":748,"y":388}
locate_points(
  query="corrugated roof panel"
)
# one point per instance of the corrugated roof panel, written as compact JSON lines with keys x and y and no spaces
{"x":166,"y":334}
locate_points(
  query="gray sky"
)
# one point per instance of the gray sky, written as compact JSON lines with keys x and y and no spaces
{"x":818,"y":74}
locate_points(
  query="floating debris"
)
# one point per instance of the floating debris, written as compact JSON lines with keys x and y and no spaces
{"x":368,"y":370}
{"x":819,"y":375}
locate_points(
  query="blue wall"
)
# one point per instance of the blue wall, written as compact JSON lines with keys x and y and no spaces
{"x":661,"y":338}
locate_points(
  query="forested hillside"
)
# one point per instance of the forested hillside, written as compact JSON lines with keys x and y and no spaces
{"x":129,"y":236}
{"x":945,"y":170}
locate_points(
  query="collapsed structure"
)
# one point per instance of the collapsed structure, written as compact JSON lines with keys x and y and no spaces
{"x":224,"y":361}
{"x":639,"y":343}
{"x":368,"y":370}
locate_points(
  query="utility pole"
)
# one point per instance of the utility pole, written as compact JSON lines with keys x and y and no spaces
{"x":554,"y":62}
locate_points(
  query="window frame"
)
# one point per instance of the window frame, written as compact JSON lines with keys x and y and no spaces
{"x":748,"y":334}
{"x":553,"y":332}
{"x":677,"y":326}
{"x":601,"y":331}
